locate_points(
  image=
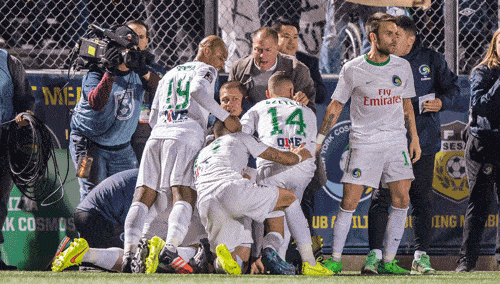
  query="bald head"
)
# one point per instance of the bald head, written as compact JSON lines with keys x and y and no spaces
{"x":212,"y":50}
{"x":280,"y":85}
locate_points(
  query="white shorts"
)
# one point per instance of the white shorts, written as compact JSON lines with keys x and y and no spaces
{"x":166,"y":163}
{"x":159,"y":225}
{"x":224,"y":215}
{"x":370,"y":167}
{"x":295,"y":178}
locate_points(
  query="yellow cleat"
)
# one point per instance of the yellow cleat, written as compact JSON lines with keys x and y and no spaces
{"x":226,"y":260}
{"x":71,"y":256}
{"x":155,"y":246}
{"x":317,"y":270}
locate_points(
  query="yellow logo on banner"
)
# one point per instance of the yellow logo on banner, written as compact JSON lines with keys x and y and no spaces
{"x":449,"y":166}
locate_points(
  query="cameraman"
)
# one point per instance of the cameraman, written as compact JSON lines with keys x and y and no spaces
{"x":107,"y":113}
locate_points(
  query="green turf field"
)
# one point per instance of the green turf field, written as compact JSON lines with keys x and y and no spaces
{"x":75,"y":277}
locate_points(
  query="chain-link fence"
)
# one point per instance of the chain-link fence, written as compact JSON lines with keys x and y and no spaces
{"x":42,"y":32}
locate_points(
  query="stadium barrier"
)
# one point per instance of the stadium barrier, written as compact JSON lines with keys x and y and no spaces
{"x":31,"y":238}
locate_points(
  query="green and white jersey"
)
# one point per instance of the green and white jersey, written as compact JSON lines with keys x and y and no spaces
{"x":376,"y":91}
{"x":225,"y":160}
{"x":182,"y":102}
{"x":281,"y":122}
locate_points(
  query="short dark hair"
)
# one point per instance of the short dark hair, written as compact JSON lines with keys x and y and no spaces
{"x":234,"y":85}
{"x":140,"y":23}
{"x":407,"y":24}
{"x":266,"y":32}
{"x":283,"y":22}
{"x":374,"y":21}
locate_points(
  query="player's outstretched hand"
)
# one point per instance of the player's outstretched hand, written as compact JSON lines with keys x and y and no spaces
{"x":232,"y":123}
{"x":257,"y":267}
{"x":301,"y":98}
{"x":415,"y":150}
{"x":301,"y":151}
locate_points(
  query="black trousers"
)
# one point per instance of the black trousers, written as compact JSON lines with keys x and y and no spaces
{"x":483,"y":175}
{"x":98,"y":231}
{"x":421,"y":201}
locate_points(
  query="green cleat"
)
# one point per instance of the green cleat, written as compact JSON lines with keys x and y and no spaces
{"x":371,"y":264}
{"x":422,"y":266}
{"x":335,"y":266}
{"x":155,"y":246}
{"x":391,"y":268}
{"x":71,"y":256}
{"x":226,"y":261}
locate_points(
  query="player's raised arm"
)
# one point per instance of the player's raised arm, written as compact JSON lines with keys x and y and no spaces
{"x":329,"y":119}
{"x":411,"y":126}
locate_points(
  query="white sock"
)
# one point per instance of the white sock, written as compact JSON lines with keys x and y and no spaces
{"x":307,"y":254}
{"x":105,"y":258}
{"x":393,"y":233}
{"x":186,"y":252}
{"x":299,"y":229}
{"x":378,"y":253}
{"x":108,"y":257}
{"x":178,"y":222}
{"x":297,"y":223}
{"x":134,"y":222}
{"x":340,"y":230}
{"x":272,"y":240}
{"x":286,"y":241}
{"x":418,"y":253}
{"x":239,"y":261}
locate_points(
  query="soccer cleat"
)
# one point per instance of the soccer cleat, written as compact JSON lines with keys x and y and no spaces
{"x":71,"y":256}
{"x":317,"y":270}
{"x":371,"y":264}
{"x":465,"y":265}
{"x":64,"y":244}
{"x":127,"y":262}
{"x":335,"y":266}
{"x":199,"y":262}
{"x":317,"y":245}
{"x":422,"y":266}
{"x":391,"y":268}
{"x":138,"y":261}
{"x":155,"y":246}
{"x":169,"y":259}
{"x":226,"y":261}
{"x":275,"y":264}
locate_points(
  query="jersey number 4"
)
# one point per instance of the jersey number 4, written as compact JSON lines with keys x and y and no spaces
{"x":296,"y":118}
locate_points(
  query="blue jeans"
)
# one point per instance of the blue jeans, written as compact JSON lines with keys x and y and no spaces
{"x":106,"y":162}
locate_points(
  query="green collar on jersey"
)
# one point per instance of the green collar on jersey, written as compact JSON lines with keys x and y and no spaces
{"x":375,"y":63}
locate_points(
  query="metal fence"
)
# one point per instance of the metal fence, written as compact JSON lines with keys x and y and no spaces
{"x":42,"y":32}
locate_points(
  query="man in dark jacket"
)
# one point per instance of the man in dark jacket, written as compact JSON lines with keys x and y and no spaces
{"x":288,"y":42}
{"x":436,"y":88}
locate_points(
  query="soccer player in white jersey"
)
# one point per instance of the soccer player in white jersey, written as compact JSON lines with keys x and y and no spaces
{"x":226,"y":200}
{"x":281,"y":122}
{"x":380,"y":86}
{"x":182,"y":103}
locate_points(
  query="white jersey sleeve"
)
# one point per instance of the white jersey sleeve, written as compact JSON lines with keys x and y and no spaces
{"x":344,"y":87}
{"x":250,"y":120}
{"x":409,"y":84}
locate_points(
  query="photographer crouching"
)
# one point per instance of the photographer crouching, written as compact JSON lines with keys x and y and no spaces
{"x":107,"y":113}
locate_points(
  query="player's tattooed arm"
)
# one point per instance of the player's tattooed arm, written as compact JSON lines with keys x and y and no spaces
{"x":286,"y":158}
{"x":331,"y":116}
{"x":411,"y":126}
{"x":329,"y":119}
